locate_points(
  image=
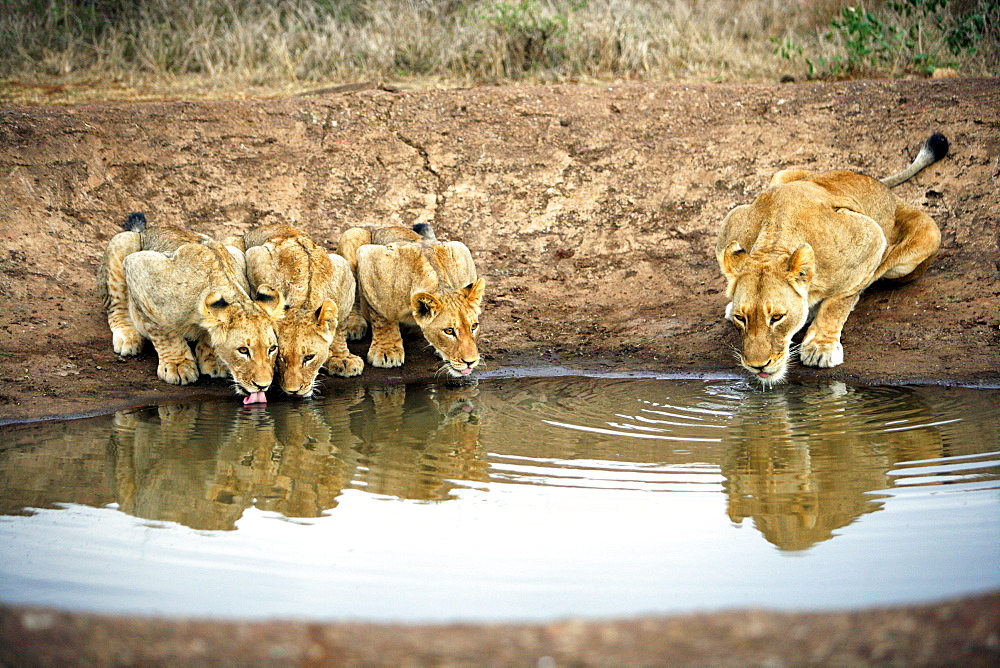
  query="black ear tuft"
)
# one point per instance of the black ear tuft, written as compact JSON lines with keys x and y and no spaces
{"x":423,"y":308}
{"x":264,"y":297}
{"x":219,"y":303}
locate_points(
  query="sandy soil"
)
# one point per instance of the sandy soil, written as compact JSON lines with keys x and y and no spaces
{"x":592,"y":212}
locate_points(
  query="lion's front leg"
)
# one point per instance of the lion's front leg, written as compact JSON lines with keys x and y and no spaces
{"x":356,"y":325}
{"x":208,"y":361}
{"x":821,"y":346}
{"x":176,"y":363}
{"x":386,"y":350}
{"x":341,"y":362}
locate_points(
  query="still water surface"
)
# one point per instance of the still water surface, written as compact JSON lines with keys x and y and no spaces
{"x":517,"y":499}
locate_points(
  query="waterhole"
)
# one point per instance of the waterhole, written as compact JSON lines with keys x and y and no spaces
{"x":513,"y":499}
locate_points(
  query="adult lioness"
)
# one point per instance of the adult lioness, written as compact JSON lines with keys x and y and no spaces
{"x":408,"y":276}
{"x":172,"y":286}
{"x":814,"y":242}
{"x":318,"y":290}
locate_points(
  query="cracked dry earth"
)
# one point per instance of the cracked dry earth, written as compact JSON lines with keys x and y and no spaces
{"x":591,"y":211}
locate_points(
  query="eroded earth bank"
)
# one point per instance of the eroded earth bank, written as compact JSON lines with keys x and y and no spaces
{"x":591,"y":211}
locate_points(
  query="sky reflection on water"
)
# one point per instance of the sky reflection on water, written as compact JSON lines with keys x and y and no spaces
{"x":513,"y":499}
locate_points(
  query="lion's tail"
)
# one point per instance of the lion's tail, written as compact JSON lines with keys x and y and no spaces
{"x":934,"y":148}
{"x":136,"y":222}
{"x":425,"y":230}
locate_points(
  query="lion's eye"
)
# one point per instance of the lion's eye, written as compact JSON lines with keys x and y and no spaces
{"x":475,"y":326}
{"x":308,"y":358}
{"x":243,"y":350}
{"x":740,"y":319}
{"x":777,"y":317}
{"x":272,"y":350}
{"x":449,"y":331}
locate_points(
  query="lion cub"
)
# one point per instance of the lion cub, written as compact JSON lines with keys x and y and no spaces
{"x":318,"y":290}
{"x":808,"y":245}
{"x":172,"y":286}
{"x":408,"y":276}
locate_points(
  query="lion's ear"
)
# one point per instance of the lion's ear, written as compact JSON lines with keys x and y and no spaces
{"x":424,"y":306}
{"x":473,"y":292}
{"x":269,"y":299}
{"x":802,"y":265}
{"x":326,"y":312}
{"x":787,"y":176}
{"x":215,"y":308}
{"x":732,"y":257}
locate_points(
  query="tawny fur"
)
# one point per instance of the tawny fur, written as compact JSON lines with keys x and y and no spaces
{"x":406,"y":277}
{"x":319,"y":292}
{"x":173,"y":286}
{"x":808,"y":246}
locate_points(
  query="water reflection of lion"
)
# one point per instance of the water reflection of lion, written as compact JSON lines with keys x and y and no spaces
{"x":202,"y":465}
{"x":803,"y":462}
{"x":420,"y":443}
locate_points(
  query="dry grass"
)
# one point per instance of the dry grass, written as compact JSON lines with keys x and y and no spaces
{"x":129,"y":49}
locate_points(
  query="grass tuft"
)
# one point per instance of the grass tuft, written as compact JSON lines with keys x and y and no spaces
{"x":232,"y":47}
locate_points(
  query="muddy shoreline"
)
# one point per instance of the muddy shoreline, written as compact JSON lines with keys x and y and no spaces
{"x":965,"y":632}
{"x":590,"y":210}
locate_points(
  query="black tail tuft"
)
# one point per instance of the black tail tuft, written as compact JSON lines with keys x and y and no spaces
{"x":136,"y":222}
{"x":937,"y":144}
{"x":425,"y":230}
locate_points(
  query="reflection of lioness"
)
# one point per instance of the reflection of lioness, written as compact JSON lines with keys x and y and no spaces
{"x":407,"y":276}
{"x":172,"y":286}
{"x":318,"y":289}
{"x":815,"y":241}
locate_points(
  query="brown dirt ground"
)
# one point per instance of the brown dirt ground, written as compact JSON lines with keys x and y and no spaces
{"x":592,"y":212}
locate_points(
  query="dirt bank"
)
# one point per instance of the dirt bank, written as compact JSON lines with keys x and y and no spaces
{"x":591,"y":211}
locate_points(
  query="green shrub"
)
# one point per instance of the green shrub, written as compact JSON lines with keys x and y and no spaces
{"x":902,"y":36}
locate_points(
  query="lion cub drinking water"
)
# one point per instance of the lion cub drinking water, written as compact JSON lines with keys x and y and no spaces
{"x":318,"y":290}
{"x":814,"y":242}
{"x":172,"y":286}
{"x":408,"y":276}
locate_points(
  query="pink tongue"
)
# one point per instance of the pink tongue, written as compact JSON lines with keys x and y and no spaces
{"x":465,"y":372}
{"x":255,"y":398}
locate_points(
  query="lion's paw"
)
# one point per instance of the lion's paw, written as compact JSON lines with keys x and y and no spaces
{"x":127,"y":343}
{"x":184,"y":372}
{"x":824,"y":355}
{"x":385,"y":358}
{"x":352,"y":365}
{"x":209,"y":363}
{"x":211,"y":367}
{"x":356,"y":327}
